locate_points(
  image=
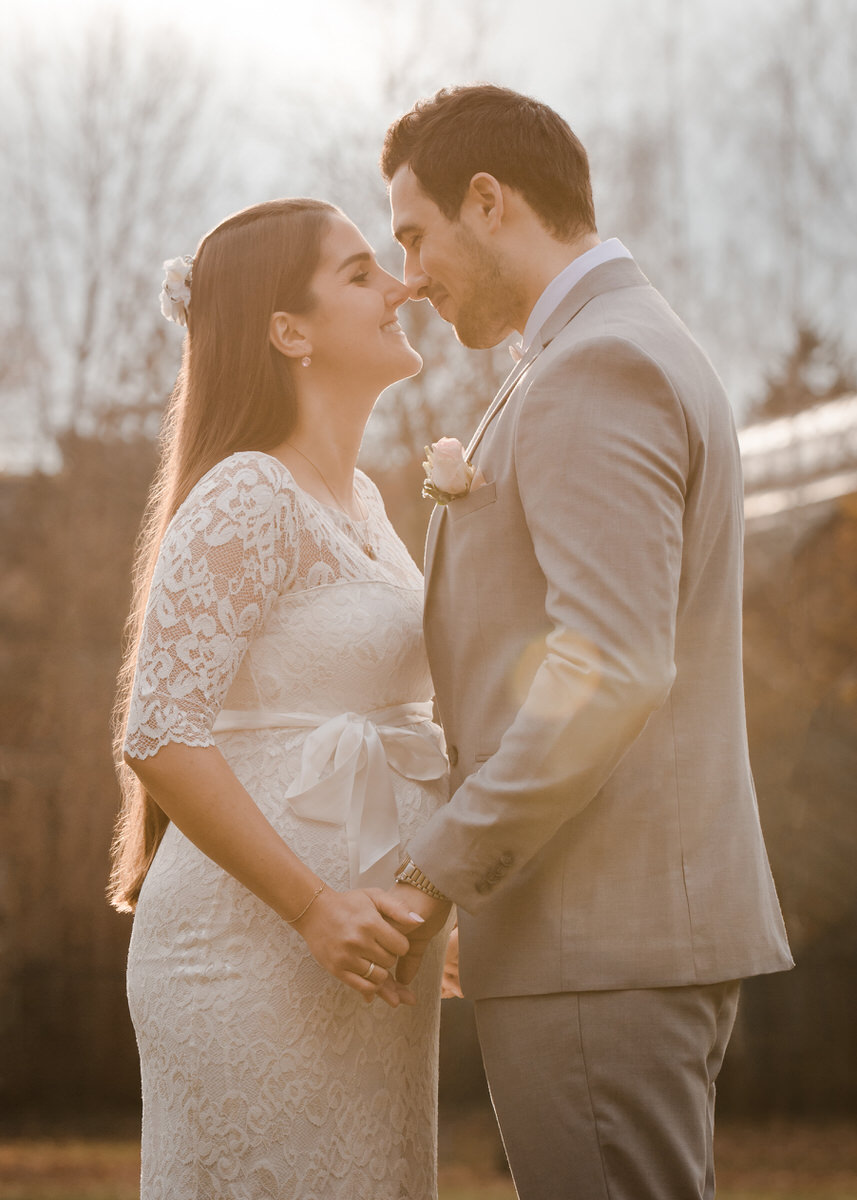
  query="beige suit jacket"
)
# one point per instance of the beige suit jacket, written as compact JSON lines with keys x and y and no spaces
{"x":583,"y":623}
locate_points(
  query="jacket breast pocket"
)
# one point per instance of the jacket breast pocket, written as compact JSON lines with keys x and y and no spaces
{"x":474,"y":500}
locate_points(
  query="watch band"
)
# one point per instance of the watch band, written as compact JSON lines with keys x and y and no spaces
{"x":410,"y":873}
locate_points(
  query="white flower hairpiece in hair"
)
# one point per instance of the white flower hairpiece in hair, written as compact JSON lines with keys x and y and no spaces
{"x":175,"y":290}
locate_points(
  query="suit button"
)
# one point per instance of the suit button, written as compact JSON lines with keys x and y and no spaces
{"x":483,"y":886}
{"x":507,"y":859}
{"x":452,"y":755}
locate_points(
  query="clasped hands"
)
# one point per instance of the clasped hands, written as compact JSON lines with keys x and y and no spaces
{"x":434,"y":915}
{"x":373,"y":940}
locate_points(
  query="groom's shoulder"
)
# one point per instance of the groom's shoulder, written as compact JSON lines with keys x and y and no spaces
{"x":628,"y":321}
{"x":626,"y":341}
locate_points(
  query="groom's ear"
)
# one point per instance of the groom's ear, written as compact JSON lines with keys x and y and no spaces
{"x":287,"y":337}
{"x":485,"y":200}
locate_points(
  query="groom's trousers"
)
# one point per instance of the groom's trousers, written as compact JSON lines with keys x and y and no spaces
{"x":608,"y":1095}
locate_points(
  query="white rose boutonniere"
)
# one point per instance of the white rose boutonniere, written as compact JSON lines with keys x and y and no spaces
{"x":448,"y":473}
{"x":175,"y":290}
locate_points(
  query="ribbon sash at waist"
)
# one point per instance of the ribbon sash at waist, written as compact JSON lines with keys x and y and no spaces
{"x":345,"y":776}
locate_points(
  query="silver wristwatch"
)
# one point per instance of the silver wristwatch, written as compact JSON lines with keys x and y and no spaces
{"x":410,"y":873}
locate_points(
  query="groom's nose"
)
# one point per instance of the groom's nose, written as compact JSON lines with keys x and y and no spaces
{"x":420,"y":292}
{"x":415,"y":278}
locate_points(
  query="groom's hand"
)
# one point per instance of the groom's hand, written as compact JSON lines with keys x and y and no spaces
{"x":434,"y":914}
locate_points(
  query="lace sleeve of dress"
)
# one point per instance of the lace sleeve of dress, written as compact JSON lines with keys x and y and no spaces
{"x":226,"y":555}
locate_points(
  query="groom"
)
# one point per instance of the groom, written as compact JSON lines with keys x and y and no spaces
{"x":583,"y":622}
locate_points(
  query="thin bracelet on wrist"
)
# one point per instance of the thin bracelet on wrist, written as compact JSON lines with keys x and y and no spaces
{"x":307,"y":907}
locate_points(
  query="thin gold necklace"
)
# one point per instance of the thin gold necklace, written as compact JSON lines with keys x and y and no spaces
{"x":368,"y":549}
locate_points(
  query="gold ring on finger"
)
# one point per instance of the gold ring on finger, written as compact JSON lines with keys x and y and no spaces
{"x":368,"y":974}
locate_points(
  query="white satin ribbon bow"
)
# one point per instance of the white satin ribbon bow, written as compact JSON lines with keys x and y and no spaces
{"x":345,"y":777}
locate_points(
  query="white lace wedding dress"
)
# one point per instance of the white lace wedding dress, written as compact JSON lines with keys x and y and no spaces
{"x":271,"y":633}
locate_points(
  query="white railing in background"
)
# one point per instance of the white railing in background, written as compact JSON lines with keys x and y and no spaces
{"x":806,"y":459}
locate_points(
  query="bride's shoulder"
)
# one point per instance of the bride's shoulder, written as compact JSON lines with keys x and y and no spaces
{"x":244,"y":466}
{"x":247,"y":485}
{"x":245,"y":474}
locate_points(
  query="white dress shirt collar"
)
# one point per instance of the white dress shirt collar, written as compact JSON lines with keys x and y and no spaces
{"x":561,"y":284}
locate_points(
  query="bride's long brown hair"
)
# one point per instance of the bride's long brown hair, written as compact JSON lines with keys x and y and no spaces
{"x":234,"y":392}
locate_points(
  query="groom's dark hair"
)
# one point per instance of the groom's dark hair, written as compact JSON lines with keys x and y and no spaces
{"x":451,"y":136}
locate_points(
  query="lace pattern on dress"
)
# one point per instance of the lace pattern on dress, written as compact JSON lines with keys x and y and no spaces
{"x":245,"y":536}
{"x":263,"y":1077}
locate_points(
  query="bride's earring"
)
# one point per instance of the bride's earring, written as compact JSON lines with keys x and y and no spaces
{"x":306,"y":360}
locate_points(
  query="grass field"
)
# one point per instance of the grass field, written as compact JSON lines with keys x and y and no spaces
{"x":775,"y":1161}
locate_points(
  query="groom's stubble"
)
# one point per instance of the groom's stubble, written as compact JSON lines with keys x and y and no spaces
{"x":491,"y":299}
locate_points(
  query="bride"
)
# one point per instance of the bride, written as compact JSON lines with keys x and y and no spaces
{"x":278,"y":747}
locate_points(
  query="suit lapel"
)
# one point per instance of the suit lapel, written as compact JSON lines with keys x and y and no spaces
{"x":438,"y":516}
{"x":500,"y":399}
{"x":493,"y":408}
{"x":609,"y":276}
{"x":431,"y":540}
{"x":618,"y":273}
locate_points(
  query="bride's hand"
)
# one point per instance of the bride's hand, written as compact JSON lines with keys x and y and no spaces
{"x":357,"y":937}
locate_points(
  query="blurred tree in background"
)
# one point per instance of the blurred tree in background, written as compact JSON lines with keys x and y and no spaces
{"x":105,"y":156}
